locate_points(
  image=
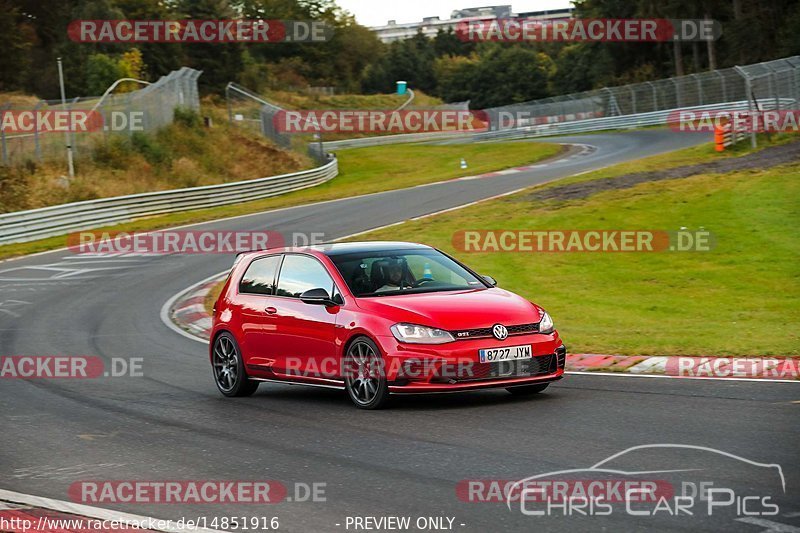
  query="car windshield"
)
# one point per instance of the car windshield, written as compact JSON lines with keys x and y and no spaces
{"x":393,"y":272}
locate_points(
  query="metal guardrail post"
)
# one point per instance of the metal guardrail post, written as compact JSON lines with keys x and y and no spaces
{"x":699,"y":84}
{"x":72,"y":138}
{"x":772,"y":89}
{"x":678,"y":99}
{"x":655,"y":94}
{"x":228,"y":103}
{"x":3,"y":147}
{"x":749,"y":95}
{"x":723,"y":84}
{"x":37,"y":148}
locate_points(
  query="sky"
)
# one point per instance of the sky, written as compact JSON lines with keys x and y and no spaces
{"x":378,"y":12}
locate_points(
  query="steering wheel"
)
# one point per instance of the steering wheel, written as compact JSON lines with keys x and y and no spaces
{"x":421,"y":282}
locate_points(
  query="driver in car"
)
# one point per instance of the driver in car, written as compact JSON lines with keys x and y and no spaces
{"x":394,"y":277}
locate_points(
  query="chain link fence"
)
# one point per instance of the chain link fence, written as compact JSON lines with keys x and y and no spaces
{"x":249,"y":110}
{"x":770,"y":85}
{"x":144,"y":110}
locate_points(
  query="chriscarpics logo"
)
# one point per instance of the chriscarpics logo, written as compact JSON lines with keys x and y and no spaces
{"x":679,"y":481}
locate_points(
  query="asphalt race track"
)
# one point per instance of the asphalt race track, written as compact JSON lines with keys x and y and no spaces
{"x":172,"y":424}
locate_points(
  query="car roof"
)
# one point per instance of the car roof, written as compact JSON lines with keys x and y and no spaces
{"x":341,"y":248}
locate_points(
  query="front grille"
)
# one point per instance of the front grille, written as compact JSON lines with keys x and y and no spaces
{"x":561,"y":353}
{"x":478,"y":333}
{"x":537,"y":366}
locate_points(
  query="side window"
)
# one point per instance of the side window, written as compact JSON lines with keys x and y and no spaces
{"x":260,"y":276}
{"x":300,"y":273}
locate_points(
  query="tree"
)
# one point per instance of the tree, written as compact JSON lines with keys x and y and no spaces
{"x":14,"y":59}
{"x":455,"y":77}
{"x":131,"y":65}
{"x":101,"y":72}
{"x":447,"y":43}
{"x":220,"y":62}
{"x":508,"y":75}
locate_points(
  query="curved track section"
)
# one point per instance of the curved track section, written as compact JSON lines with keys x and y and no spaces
{"x":172,"y":423}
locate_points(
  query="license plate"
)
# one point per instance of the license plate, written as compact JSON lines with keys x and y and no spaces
{"x":507,"y":353}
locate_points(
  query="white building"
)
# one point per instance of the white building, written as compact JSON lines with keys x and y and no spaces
{"x":430,"y":26}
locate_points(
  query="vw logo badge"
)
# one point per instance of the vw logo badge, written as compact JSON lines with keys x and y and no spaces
{"x":500,"y":332}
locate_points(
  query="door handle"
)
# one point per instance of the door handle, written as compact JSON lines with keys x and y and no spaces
{"x":271,"y":310}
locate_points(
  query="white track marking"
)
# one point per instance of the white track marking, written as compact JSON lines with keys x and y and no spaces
{"x":649,"y":364}
{"x":165,"y":318}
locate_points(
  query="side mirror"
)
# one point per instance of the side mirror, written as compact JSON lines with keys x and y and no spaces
{"x":490,"y":280}
{"x":317,"y":297}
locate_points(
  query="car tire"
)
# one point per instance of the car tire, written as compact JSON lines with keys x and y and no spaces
{"x":365,"y":379}
{"x":526,"y":390}
{"x":228,"y":369}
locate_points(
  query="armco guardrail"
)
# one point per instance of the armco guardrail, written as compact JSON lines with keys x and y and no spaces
{"x":565,"y":127}
{"x":34,"y":224}
{"x":640,"y":120}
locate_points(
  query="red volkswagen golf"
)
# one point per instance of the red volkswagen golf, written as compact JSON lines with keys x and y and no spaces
{"x":377,"y":318}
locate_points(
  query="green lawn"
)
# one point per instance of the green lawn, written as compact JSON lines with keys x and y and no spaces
{"x":361,"y":171}
{"x":365,"y":170}
{"x":741,"y":298}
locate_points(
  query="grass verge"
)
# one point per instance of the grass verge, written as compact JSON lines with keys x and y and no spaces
{"x":386,"y":102}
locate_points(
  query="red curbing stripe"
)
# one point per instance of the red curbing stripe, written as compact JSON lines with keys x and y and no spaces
{"x":192,"y":301}
{"x":191,"y":317}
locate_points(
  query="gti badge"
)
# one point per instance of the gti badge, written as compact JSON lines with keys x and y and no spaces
{"x":500,"y":332}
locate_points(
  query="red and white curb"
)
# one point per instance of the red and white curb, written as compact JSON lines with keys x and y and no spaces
{"x":25,"y":513}
{"x":186,"y":314}
{"x":784,"y":369}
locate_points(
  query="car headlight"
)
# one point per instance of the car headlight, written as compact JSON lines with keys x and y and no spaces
{"x":546,"y":323}
{"x":412,"y":333}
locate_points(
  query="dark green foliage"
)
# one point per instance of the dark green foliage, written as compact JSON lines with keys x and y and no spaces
{"x":354,"y":60}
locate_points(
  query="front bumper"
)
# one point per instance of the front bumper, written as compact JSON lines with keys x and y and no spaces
{"x":455,"y":366}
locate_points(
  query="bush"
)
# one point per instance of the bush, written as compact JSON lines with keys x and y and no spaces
{"x":149,"y":148}
{"x":13,"y":189}
{"x":187,"y":117}
{"x":113,"y":152}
